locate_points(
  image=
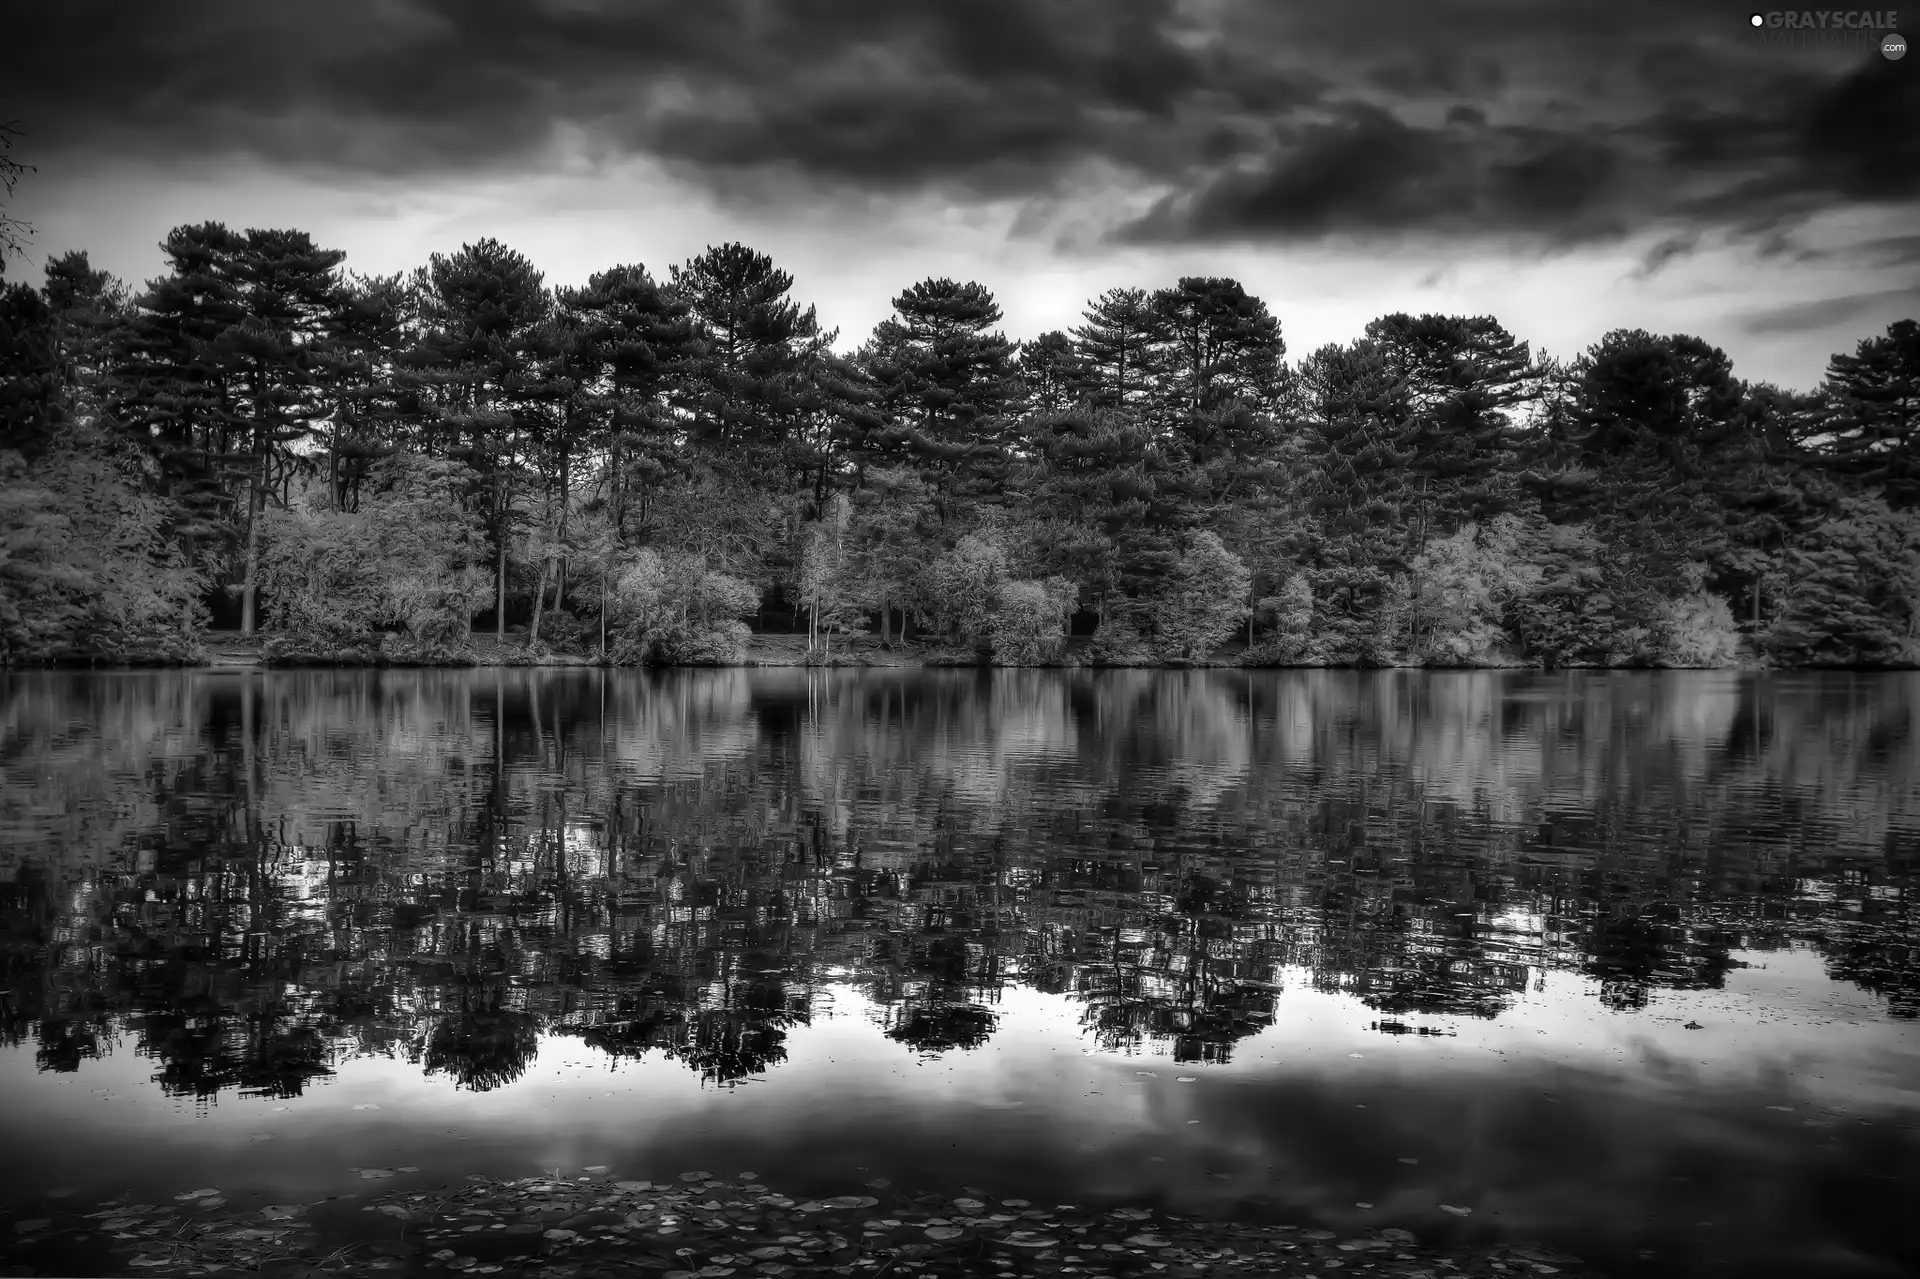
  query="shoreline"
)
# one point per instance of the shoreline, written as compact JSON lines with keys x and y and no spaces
{"x":229,"y":651}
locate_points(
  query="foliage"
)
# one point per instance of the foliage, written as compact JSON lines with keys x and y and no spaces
{"x":667,"y":455}
{"x":1853,"y":596}
{"x":409,"y":557}
{"x":1289,"y":615}
{"x":672,"y":609}
{"x":1028,"y":626}
{"x":1198,"y":605}
{"x":86,"y":573}
{"x":962,"y":590}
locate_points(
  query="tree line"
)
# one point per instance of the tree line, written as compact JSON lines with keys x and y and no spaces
{"x":645,"y":467}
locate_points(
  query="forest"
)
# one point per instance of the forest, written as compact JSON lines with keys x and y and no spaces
{"x":650,"y":467}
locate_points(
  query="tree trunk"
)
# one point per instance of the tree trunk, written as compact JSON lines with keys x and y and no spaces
{"x":500,"y":569}
{"x":560,"y":579}
{"x":250,"y":584}
{"x":539,"y":598}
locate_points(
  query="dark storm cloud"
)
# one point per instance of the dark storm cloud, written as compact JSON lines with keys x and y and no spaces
{"x":1253,"y":121}
{"x":1368,"y":170}
{"x":1826,"y":313}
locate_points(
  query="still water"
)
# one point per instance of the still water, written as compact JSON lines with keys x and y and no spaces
{"x":1623,"y":962}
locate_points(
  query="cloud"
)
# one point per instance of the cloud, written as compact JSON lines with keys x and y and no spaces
{"x":1224,"y":120}
{"x":1826,"y":313}
{"x":1663,"y":253}
{"x":1369,"y":171}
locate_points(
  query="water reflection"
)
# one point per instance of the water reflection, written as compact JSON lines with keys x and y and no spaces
{"x":252,"y":877}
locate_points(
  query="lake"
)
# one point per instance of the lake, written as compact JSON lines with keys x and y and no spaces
{"x":1623,"y":962}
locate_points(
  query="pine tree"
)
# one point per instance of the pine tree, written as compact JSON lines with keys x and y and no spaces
{"x":1051,"y":373}
{"x":1463,"y":375}
{"x":1121,"y":347}
{"x":289,"y":289}
{"x":648,"y":359}
{"x":1872,"y":425}
{"x":948,"y":375}
{"x":175,"y":392}
{"x":1222,"y":345}
{"x":755,"y":337}
{"x":31,"y":414}
{"x":481,"y":310}
{"x":377,"y":399}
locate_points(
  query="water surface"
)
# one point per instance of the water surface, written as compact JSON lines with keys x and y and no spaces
{"x":1623,"y":962}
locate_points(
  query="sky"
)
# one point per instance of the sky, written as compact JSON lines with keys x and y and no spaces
{"x":1568,"y":168}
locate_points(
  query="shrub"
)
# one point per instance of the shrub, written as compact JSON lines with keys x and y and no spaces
{"x":674,"y":610}
{"x":1028,"y":626}
{"x":410,"y":556}
{"x":1290,"y":642}
{"x":86,"y":573}
{"x":1116,"y":643}
{"x":962,"y":590}
{"x":1193,"y":611}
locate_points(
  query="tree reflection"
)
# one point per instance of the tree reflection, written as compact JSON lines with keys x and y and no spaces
{"x":254,"y":882}
{"x":482,"y":1045}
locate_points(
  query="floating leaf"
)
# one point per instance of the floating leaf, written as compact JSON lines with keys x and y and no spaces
{"x":696,"y":1176}
{"x":203,"y":1193}
{"x":1458,"y":1212}
{"x":597,"y":1168}
{"x":1186,"y":1079}
{"x":560,"y":1236}
{"x":633,"y":1187}
{"x":944,"y":1232}
{"x":1146,"y":1241}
